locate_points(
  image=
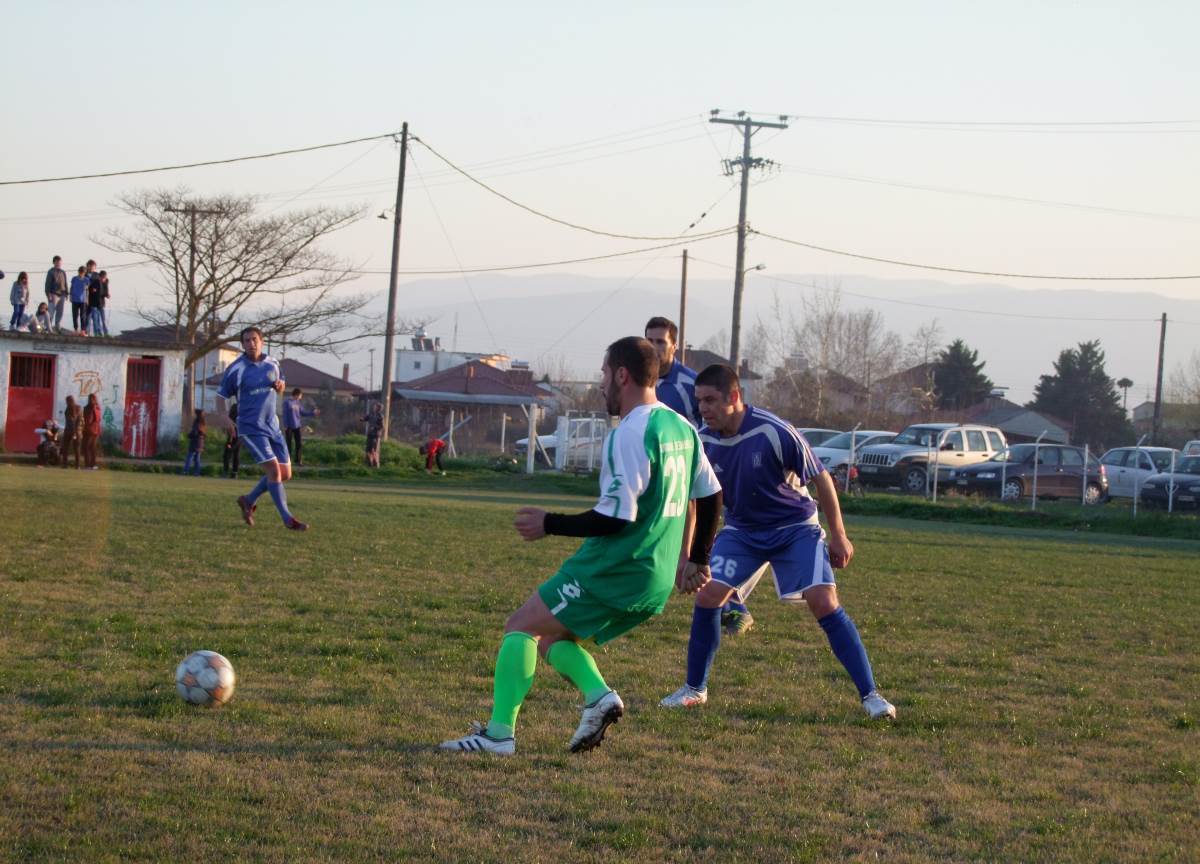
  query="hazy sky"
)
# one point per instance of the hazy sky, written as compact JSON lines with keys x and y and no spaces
{"x":508,"y":90}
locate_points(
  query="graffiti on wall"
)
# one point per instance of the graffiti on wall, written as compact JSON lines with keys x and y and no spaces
{"x":89,"y":382}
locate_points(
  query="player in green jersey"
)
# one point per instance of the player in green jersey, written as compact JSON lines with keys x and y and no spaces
{"x":653,"y":468}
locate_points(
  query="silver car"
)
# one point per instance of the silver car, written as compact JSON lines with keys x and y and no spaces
{"x":1128,"y":467}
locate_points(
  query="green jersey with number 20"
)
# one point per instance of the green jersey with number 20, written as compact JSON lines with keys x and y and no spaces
{"x":653,"y":466}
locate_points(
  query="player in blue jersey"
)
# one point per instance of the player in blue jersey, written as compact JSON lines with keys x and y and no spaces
{"x":676,"y":389}
{"x":765,"y":467}
{"x":255,"y":379}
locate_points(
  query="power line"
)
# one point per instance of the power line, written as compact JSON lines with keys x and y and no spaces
{"x":862,"y":257}
{"x":940,"y":306}
{"x":543,"y":215}
{"x":1005,"y":125}
{"x":197,"y":164}
{"x":946,"y":190}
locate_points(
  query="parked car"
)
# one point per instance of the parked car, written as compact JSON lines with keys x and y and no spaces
{"x":1192,"y":448}
{"x":1128,"y":467}
{"x":905,"y":460}
{"x":835,"y":453}
{"x":1184,"y":484}
{"x":817,"y":437}
{"x":1059,"y":470}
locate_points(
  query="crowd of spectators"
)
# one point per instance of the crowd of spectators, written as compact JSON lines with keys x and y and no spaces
{"x":87,"y":291}
{"x":79,"y":435}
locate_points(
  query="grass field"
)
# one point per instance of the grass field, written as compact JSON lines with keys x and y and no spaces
{"x":1046,"y":683}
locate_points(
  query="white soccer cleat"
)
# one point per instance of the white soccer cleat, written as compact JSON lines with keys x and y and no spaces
{"x":877,"y":707}
{"x":597,"y":717}
{"x":480,"y":742}
{"x":686,"y":696}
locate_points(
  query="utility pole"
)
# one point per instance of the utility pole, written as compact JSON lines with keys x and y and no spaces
{"x":189,"y":393}
{"x":371,"y":379}
{"x":1162,"y":344}
{"x":749,"y":127}
{"x":390,"y":333}
{"x":682,"y":349}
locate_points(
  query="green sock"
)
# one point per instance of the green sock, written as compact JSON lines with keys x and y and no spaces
{"x":577,"y":666}
{"x":515,"y":665}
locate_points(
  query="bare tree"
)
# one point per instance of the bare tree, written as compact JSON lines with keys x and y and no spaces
{"x":222,"y":266}
{"x":1183,"y":390}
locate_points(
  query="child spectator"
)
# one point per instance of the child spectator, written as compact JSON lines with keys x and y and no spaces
{"x":374,"y":421}
{"x":97,"y":297}
{"x":48,"y":447}
{"x":19,"y":297}
{"x":72,"y":431}
{"x":79,"y":294}
{"x":293,"y":410}
{"x":41,"y":320}
{"x":433,"y":453}
{"x":196,"y":436}
{"x":233,"y":446}
{"x":91,"y":431}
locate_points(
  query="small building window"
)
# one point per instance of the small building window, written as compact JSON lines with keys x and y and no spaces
{"x":416,"y":364}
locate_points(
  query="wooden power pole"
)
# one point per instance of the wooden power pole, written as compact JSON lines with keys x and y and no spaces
{"x":390,"y":334}
{"x":749,"y":126}
{"x":681,"y":351}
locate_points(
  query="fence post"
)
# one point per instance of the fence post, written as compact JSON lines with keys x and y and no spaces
{"x":1137,"y":476}
{"x":1171,"y":486}
{"x":1086,"y":468}
{"x":850,"y":458}
{"x":1037,"y":455}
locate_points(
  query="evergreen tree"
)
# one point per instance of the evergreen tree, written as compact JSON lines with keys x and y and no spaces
{"x":1081,"y":393}
{"x":958,"y":376}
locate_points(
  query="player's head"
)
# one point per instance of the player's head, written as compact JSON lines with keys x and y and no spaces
{"x":719,"y":397}
{"x":252,"y":341}
{"x":630,"y":367}
{"x":664,"y":336}
{"x":297,"y":393}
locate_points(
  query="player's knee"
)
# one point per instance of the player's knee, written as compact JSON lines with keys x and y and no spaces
{"x":822,"y":600}
{"x":713,"y":596}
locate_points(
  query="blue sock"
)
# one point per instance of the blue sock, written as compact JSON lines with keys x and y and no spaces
{"x":734,"y":606}
{"x":848,"y":647}
{"x":259,"y":488}
{"x":703,"y":644}
{"x":280,"y":499}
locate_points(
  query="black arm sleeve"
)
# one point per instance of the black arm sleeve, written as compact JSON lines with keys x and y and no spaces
{"x":589,"y":523}
{"x":708,"y":516}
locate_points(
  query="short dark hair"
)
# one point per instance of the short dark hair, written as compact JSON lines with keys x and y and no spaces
{"x":637,"y":357}
{"x":721,"y":377}
{"x":296,"y":391}
{"x":103,"y":272}
{"x":659,"y":321}
{"x":55,"y":259}
{"x":251,"y":329}
{"x":82,"y":268}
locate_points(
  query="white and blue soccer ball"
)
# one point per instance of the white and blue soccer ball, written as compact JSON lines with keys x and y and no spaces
{"x":205,"y":678}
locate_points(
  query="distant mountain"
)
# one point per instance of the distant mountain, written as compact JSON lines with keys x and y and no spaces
{"x":571,"y":318}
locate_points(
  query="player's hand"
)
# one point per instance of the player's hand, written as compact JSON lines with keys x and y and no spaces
{"x":531,"y":523}
{"x":279,"y":385}
{"x":841,"y":550}
{"x":692,"y":577}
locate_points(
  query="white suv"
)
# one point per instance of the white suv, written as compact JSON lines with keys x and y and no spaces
{"x":907,"y":460}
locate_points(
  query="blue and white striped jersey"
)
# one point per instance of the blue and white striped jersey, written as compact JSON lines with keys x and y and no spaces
{"x":764,"y":469}
{"x":677,"y":390}
{"x":253,"y":383}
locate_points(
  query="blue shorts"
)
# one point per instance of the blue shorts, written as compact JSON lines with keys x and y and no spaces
{"x":264,"y":448}
{"x":797,"y":555}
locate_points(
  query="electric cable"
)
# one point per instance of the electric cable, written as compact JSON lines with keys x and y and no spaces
{"x":198,"y":164}
{"x":944,"y":269}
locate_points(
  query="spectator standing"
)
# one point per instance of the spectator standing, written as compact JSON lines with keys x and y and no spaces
{"x":79,"y":295}
{"x":196,"y":437}
{"x":97,"y":295}
{"x":293,"y":412}
{"x":72,"y":430}
{"x":374,"y":421}
{"x":19,"y":297}
{"x":56,"y":291}
{"x":91,"y":431}
{"x":233,"y":446}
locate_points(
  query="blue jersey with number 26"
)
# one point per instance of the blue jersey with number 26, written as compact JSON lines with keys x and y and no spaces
{"x":764,"y":469}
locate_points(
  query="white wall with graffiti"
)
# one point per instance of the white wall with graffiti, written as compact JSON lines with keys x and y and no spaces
{"x":139,"y":387}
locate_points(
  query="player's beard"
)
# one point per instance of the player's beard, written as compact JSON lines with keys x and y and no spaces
{"x":612,"y":399}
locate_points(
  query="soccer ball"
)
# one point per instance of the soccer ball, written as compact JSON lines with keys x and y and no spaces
{"x":205,"y":678}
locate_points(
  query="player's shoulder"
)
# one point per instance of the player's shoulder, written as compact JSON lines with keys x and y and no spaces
{"x":685,"y":373}
{"x":763,"y":417}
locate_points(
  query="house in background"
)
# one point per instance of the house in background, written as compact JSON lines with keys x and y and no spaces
{"x":139,"y":385}
{"x":427,"y":357}
{"x":1180,"y":421}
{"x":423,"y":408}
{"x":698,"y":358}
{"x":206,"y":369}
{"x":1018,"y":423}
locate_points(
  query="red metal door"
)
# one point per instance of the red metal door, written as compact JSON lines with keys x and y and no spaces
{"x":140,"y":437}
{"x":30,"y":400}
